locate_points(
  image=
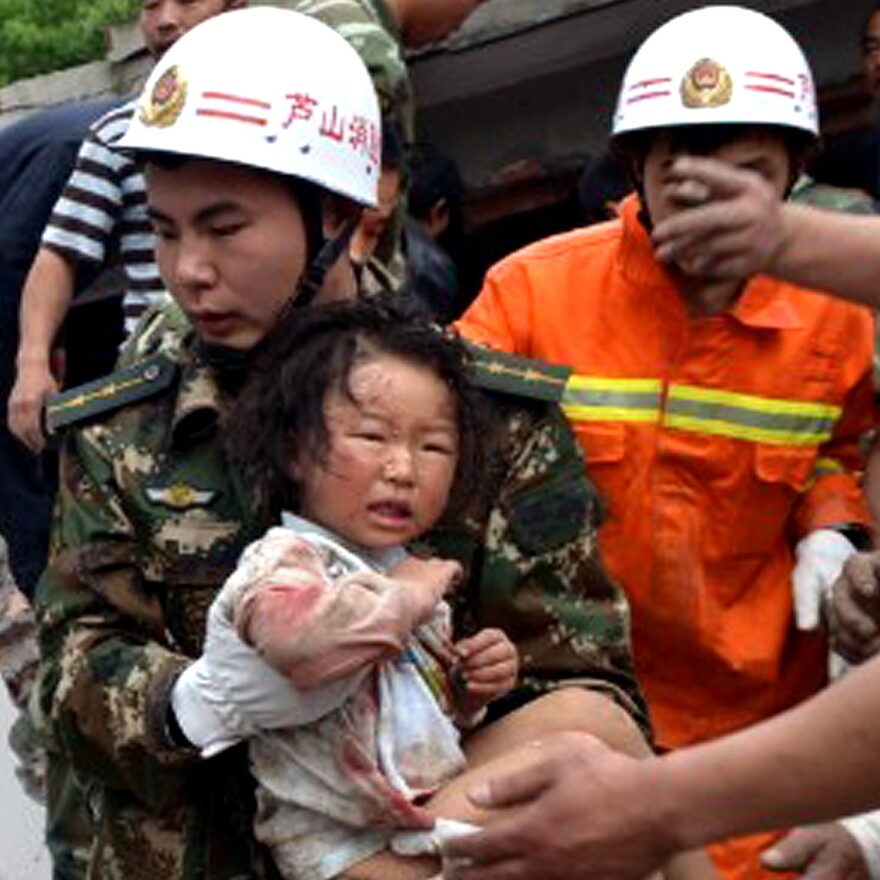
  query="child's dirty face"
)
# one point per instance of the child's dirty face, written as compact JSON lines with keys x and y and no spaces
{"x":392,"y":456}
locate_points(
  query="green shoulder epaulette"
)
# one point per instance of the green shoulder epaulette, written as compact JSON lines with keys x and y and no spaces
{"x":498,"y":371}
{"x":120,"y":388}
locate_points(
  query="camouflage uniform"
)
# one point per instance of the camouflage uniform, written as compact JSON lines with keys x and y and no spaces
{"x":69,"y":831}
{"x":151,"y":521}
{"x":529,"y":545}
{"x":18,"y":667}
{"x":837,"y":198}
{"x":807,"y":191}
{"x":371,"y":28}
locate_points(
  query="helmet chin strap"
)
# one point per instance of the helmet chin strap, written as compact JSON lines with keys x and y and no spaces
{"x":231,"y":365}
{"x":309,"y":286}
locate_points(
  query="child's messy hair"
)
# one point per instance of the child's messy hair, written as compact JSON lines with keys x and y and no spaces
{"x":280,"y":411}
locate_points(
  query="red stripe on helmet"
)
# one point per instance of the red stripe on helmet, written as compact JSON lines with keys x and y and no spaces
{"x":237,"y":99}
{"x":647,"y":96}
{"x":772,"y":90}
{"x":234,"y":117}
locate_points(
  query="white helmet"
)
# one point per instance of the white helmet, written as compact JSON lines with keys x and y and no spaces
{"x":718,"y":64}
{"x":268,"y":88}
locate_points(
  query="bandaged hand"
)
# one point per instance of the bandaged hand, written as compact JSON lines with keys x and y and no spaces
{"x":820,"y":557}
{"x":230,"y":693}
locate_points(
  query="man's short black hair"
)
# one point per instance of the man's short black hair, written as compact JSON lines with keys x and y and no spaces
{"x":703,"y":140}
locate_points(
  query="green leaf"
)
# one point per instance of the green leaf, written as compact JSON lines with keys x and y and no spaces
{"x":37,"y":38}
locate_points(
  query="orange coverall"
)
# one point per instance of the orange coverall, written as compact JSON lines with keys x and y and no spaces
{"x":717,"y":443}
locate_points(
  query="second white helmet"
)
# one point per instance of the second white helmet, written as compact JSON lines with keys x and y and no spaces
{"x":718,"y":64}
{"x":269,"y":88}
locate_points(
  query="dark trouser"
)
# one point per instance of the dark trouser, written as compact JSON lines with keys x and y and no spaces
{"x":92,"y":334}
{"x":29,"y":482}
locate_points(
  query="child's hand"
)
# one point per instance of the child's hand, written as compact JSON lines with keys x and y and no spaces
{"x":488,"y":665}
{"x":428,"y":580}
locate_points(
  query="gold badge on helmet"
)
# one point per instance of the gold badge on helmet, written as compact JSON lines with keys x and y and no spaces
{"x":706,"y":84}
{"x":166,"y":101}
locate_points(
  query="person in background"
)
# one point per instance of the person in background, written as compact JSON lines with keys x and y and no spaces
{"x":36,"y":157}
{"x":433,"y":232}
{"x":19,"y":656}
{"x":375,"y":275}
{"x":421,"y":268}
{"x":101,"y":211}
{"x":721,"y":421}
{"x":379,"y":30}
{"x":604,"y":182}
{"x":851,"y":159}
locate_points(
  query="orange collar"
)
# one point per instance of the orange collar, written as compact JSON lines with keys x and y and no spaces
{"x":764,"y":303}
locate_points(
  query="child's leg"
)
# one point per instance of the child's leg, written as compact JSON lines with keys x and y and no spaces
{"x":566,"y":709}
{"x":510,"y":743}
{"x":388,"y":866}
{"x":505,"y":745}
{"x":694,"y":865}
{"x":450,"y":803}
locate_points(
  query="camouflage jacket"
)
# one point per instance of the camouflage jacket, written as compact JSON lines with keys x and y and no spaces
{"x":807,"y":191}
{"x":371,"y":28}
{"x":151,"y":520}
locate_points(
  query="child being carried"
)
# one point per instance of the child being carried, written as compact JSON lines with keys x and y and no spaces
{"x":361,"y":421}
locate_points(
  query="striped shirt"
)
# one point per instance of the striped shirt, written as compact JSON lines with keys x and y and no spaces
{"x":103,"y":211}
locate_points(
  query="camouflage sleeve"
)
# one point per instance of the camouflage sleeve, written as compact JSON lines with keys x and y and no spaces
{"x":161,"y":327}
{"x":534,"y":567}
{"x":370,"y":28}
{"x":807,"y":191}
{"x":107,"y":663}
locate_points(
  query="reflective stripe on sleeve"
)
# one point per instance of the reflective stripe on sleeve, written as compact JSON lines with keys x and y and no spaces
{"x":588,"y":398}
{"x":749,"y":417}
{"x":700,"y":410}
